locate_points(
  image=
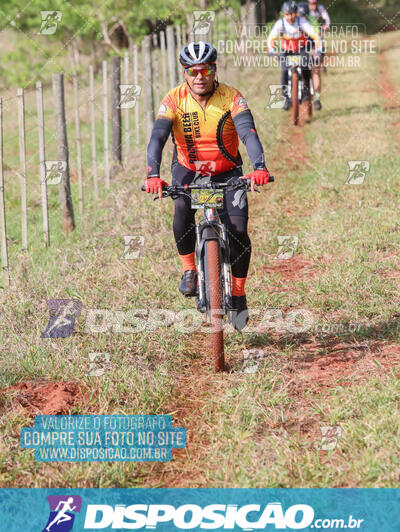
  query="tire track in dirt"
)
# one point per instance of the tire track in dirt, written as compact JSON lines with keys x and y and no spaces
{"x":194,"y":397}
{"x":291,"y":153}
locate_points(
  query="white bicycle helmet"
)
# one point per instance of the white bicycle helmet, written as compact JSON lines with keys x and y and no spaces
{"x":196,"y":53}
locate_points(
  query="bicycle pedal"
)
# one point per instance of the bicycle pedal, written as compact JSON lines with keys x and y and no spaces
{"x":200,"y":307}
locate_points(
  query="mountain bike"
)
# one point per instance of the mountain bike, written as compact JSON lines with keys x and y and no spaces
{"x":297,"y":89}
{"x":212,"y":255}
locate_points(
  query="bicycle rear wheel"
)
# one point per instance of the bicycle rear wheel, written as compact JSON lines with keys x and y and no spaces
{"x":295,"y":97}
{"x":309,"y":108}
{"x":213,"y":272}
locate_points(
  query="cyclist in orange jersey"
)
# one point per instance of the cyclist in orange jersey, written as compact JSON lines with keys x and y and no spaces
{"x":206,"y":119}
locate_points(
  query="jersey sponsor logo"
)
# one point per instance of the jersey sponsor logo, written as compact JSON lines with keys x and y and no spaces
{"x":191,"y":130}
{"x":162,"y":109}
{"x":242,"y":103}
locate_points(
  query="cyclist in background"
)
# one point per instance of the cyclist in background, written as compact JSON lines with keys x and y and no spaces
{"x":304,"y":11}
{"x":293,"y":31}
{"x":320,"y":14}
{"x":206,"y":119}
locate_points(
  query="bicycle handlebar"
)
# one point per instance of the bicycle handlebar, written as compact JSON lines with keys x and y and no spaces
{"x":239,"y":183}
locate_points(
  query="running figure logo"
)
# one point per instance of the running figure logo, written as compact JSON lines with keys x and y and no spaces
{"x":287,"y":247}
{"x":50,"y":20}
{"x":204,"y":169}
{"x":55,"y":171}
{"x":62,"y":317}
{"x":239,"y":199}
{"x":330,"y":437}
{"x":202,"y":21}
{"x":277,"y":96}
{"x":133,"y":245}
{"x":129,"y":95}
{"x":61,"y":518}
{"x":357,"y":172}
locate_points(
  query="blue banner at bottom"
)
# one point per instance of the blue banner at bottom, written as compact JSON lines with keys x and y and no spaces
{"x":73,"y":510}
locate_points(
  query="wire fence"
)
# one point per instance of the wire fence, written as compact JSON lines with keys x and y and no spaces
{"x":80,"y":128}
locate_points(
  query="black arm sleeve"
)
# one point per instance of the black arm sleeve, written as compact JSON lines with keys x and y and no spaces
{"x":246,"y":130}
{"x":161,"y":130}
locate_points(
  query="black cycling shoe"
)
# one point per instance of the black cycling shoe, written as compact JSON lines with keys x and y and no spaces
{"x":240,"y":314}
{"x":287,"y":104}
{"x":317,"y":105}
{"x":188,"y":286}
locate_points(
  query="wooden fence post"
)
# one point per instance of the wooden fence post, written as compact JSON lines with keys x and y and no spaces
{"x":22,"y":159}
{"x":126,"y":81}
{"x":171,"y":56}
{"x":105,"y":101}
{"x":42,"y":162}
{"x":78,"y":143}
{"x":156,"y":64}
{"x":116,"y":134}
{"x":148,"y":77}
{"x":164,"y":63}
{"x":136,"y":81}
{"x":93,"y":133}
{"x":179,"y":48}
{"x":3,"y":228}
{"x":64,"y":187}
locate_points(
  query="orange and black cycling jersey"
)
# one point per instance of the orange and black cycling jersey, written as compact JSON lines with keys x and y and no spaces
{"x":209,"y":134}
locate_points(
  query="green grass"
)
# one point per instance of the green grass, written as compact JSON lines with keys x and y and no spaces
{"x":244,"y":430}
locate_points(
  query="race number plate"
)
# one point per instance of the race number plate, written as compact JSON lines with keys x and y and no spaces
{"x":294,"y":60}
{"x":207,"y":198}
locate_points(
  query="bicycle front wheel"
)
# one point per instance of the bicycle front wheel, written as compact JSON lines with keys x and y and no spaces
{"x":295,"y":97}
{"x":213,"y":272}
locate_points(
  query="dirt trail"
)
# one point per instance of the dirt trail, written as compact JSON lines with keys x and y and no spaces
{"x":317,"y":364}
{"x":291,"y":153}
{"x":198,"y":386}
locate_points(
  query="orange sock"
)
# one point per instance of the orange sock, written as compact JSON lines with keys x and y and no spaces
{"x":188,"y":262}
{"x":238,"y":286}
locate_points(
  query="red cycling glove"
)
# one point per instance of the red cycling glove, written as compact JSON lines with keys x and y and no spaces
{"x":154,"y":185}
{"x":258,"y":177}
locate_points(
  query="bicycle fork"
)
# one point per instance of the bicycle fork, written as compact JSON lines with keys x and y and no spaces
{"x":204,"y":232}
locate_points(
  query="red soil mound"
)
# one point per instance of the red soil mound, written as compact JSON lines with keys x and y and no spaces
{"x":43,"y":397}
